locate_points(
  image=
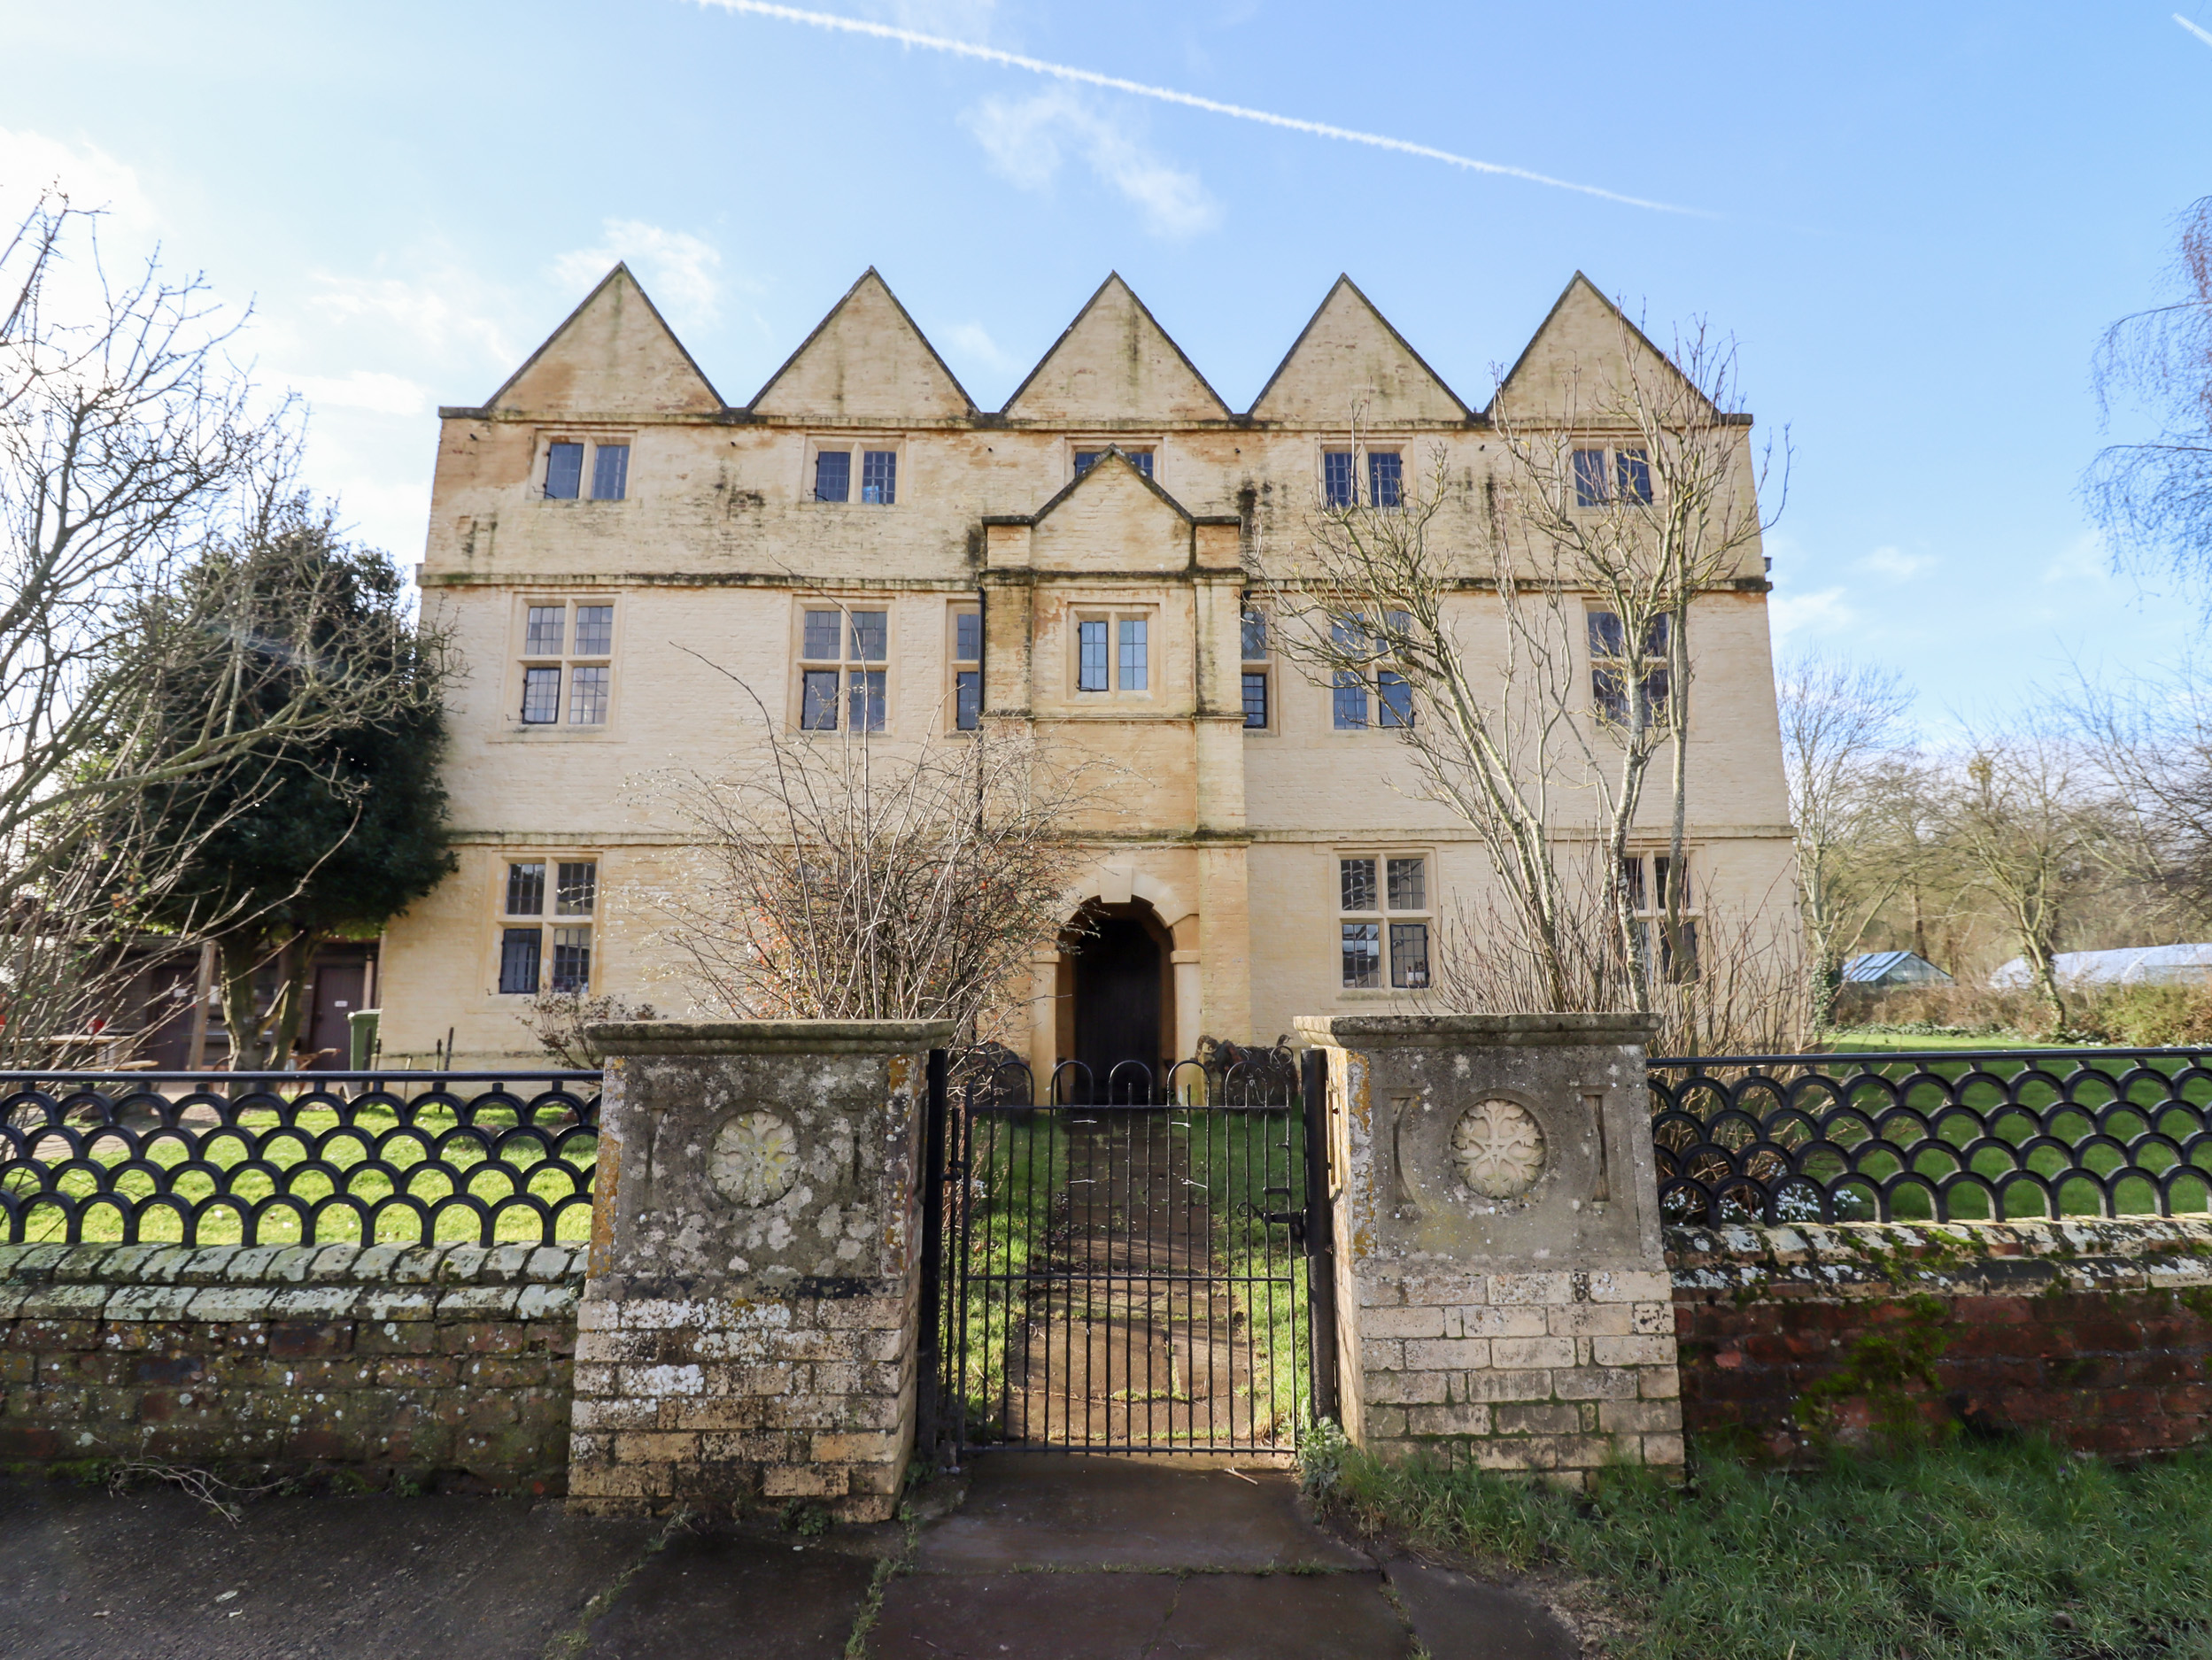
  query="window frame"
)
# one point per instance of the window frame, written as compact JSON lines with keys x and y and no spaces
{"x":1360,"y":462}
{"x":1113,"y":616}
{"x":1610,"y":708}
{"x":848,"y":662}
{"x":591,"y":441}
{"x":857,"y":447}
{"x":1384,"y":696}
{"x":1387,"y":916}
{"x":1647,"y":879}
{"x":956,"y":665}
{"x":521,"y":660}
{"x":1612,"y":473}
{"x":1131,"y":445}
{"x":1261,"y":667}
{"x":554,"y":914}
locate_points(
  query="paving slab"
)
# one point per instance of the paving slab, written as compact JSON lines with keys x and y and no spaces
{"x":736,"y":1598}
{"x":1073,"y":1510}
{"x":1458,"y":1617}
{"x":159,"y":1573}
{"x":1284,"y":1617}
{"x":1023,"y":1616}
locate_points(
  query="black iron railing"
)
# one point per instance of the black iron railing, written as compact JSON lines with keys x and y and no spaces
{"x":1943,"y":1136}
{"x":1125,"y":1261}
{"x":268,"y":1158}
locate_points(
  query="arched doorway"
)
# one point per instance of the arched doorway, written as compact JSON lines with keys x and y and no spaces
{"x":1121,"y":967}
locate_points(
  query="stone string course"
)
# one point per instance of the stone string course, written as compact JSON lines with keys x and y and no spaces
{"x":1559,"y":1372}
{"x":441,"y":1364}
{"x":2096,"y":1333}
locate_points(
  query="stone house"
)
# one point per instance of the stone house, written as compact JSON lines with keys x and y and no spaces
{"x":860,"y":542}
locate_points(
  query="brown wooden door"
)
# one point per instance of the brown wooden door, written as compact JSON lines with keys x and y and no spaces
{"x":339,"y":987}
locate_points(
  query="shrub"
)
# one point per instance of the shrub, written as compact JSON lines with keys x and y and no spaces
{"x":2146,"y":1016}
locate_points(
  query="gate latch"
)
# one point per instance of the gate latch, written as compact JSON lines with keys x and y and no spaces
{"x":1295,"y":1220}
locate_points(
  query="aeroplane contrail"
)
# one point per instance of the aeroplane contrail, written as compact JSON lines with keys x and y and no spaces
{"x":2202,"y":34}
{"x":836,"y":24}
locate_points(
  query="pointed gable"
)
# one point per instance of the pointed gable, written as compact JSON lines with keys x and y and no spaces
{"x":1577,"y":352}
{"x":614,"y":355}
{"x":1111,"y":519}
{"x":1349,"y":354}
{"x":1115,"y":363}
{"x":865,"y":361}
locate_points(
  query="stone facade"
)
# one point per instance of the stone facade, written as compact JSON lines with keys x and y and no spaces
{"x":1501,"y":1296}
{"x":2097,"y":1334}
{"x":443,"y":1365}
{"x":748,"y":1332}
{"x":717,"y":546}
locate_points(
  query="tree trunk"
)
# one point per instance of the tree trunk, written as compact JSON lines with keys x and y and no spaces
{"x":241,"y":955}
{"x":291,"y":1009}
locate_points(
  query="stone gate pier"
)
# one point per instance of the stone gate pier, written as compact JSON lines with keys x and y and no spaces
{"x":747,"y":1332}
{"x":1502,"y":1293}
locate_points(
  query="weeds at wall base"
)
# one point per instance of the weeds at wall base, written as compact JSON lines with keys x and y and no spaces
{"x":1951,"y":1549}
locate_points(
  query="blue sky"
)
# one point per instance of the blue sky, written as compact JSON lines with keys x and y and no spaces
{"x":1915,"y":220}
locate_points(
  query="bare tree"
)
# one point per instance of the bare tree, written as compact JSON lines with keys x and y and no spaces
{"x":1621,"y":499}
{"x":2151,"y":738}
{"x":2020,"y":816}
{"x":2153,"y":497}
{"x":1842,"y":725}
{"x":128,"y":444}
{"x":842,"y":876}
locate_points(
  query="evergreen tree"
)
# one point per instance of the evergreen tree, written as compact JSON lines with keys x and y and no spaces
{"x":319,"y":839}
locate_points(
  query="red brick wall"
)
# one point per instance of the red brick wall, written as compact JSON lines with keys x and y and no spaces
{"x":2094,"y":1333}
{"x":447,"y":1366}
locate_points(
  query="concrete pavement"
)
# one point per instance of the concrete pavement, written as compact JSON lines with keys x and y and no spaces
{"x":1049,"y":1557}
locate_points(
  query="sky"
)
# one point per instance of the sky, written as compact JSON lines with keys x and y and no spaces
{"x":1916,"y":221}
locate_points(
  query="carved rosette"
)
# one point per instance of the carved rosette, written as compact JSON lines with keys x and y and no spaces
{"x":1498,"y":1148}
{"x":754,"y":1160}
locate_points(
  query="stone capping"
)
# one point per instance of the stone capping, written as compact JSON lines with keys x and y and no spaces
{"x":280,"y":1266}
{"x":651,"y":1038}
{"x":1891,"y":1259}
{"x":1464,"y":1031}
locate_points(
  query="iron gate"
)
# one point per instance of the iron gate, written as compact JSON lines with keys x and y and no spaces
{"x":1136,"y":1264}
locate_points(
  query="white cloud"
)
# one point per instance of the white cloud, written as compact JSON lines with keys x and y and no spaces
{"x":973,"y":341}
{"x":1821,"y":612}
{"x":681,"y":272}
{"x":1896,"y":564}
{"x":969,"y":20}
{"x":370,"y":390}
{"x":437,"y":313}
{"x":1024,"y":139}
{"x":93,"y":180}
{"x":2084,"y":560}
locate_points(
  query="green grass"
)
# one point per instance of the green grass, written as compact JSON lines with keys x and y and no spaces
{"x":1965,"y":1551}
{"x":1254,"y":1163}
{"x":425,"y":1171}
{"x":1864,"y":1040}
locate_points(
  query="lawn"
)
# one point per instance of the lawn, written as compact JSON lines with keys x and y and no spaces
{"x":1964,"y":1551}
{"x":1868,"y":1040}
